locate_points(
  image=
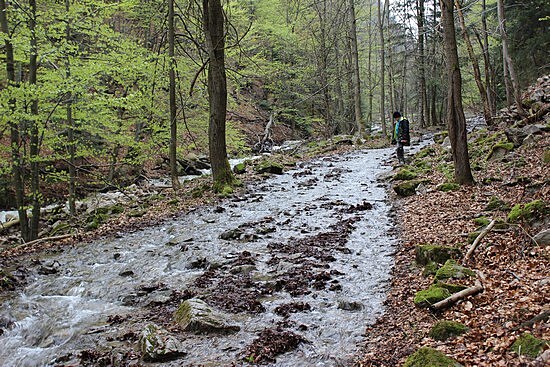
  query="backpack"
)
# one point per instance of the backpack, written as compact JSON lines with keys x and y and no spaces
{"x":404,"y":131}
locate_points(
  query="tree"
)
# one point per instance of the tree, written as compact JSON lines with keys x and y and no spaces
{"x":421,"y":62}
{"x":456,"y":121}
{"x":382,"y":66}
{"x":355,"y":69}
{"x":172,"y":92}
{"x":213,"y":23}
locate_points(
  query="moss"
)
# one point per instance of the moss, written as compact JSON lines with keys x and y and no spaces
{"x":482,"y":221}
{"x":136,"y":213}
{"x":404,"y":174}
{"x":499,"y":149}
{"x":406,"y":188}
{"x":453,"y":288}
{"x":428,"y":357}
{"x":444,"y":330}
{"x":447,"y":170}
{"x":452,"y":270}
{"x":503,"y":145}
{"x":239,"y":168}
{"x":7,"y":281}
{"x":430,"y":269}
{"x":440,"y":137}
{"x":448,"y":186}
{"x":472,"y":236}
{"x":198,"y":192}
{"x":428,"y":151}
{"x":428,"y":297}
{"x":269,"y":167}
{"x":546,"y":156}
{"x":527,"y":212}
{"x":438,"y":254}
{"x":496,"y":203}
{"x":528,"y":345}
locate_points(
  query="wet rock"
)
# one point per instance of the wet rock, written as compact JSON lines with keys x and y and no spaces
{"x":232,"y":234}
{"x":269,"y":167}
{"x":179,"y":240}
{"x":195,"y":315}
{"x":157,"y":345}
{"x":406,"y":188}
{"x":126,"y":273}
{"x":543,"y":237}
{"x":130,"y":299}
{"x":7,"y":281}
{"x":243,"y":269}
{"x":348,"y":305}
{"x":50,"y":268}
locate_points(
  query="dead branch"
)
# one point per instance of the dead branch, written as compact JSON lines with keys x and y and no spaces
{"x":478,"y":239}
{"x":536,"y":116}
{"x":8,"y":224}
{"x":477,"y":288}
{"x":34,"y":242}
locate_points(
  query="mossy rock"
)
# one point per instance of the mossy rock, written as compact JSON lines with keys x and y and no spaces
{"x":269,"y":167}
{"x":407,"y":188}
{"x":527,"y":212}
{"x":430,"y":269}
{"x":528,"y":345}
{"x":546,"y":156}
{"x":482,"y":222}
{"x":7,"y":281}
{"x":428,"y":297}
{"x":444,"y":330}
{"x":500,"y":149}
{"x":448,"y":186}
{"x":428,"y":357}
{"x":496,"y":203}
{"x":438,"y":254}
{"x":404,"y":175}
{"x":440,"y":137}
{"x":453,"y":288}
{"x":425,"y":152}
{"x":452,"y":270}
{"x":197,"y":316}
{"x":239,"y":168}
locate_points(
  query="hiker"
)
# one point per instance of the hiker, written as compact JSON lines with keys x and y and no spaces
{"x":400,"y":135}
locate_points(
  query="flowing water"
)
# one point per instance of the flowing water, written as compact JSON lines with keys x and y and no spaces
{"x":66,"y":309}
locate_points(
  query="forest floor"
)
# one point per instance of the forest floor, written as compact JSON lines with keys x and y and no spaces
{"x":515,"y":267}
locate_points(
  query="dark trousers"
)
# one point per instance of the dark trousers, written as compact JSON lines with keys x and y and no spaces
{"x":400,"y":152}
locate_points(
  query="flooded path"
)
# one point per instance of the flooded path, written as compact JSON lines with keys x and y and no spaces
{"x":307,"y":252}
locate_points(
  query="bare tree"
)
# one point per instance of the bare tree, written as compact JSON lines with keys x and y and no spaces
{"x":382,"y":68}
{"x":456,"y":121}
{"x":421,"y":62}
{"x":355,"y":68}
{"x":172,"y":92}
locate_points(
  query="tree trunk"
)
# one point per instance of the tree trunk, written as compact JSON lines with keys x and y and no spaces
{"x":507,"y":60}
{"x":172,"y":92}
{"x":16,"y":159}
{"x":34,"y":135}
{"x":369,"y":69}
{"x":456,"y":121}
{"x":356,"y":73}
{"x":70,"y":121}
{"x":489,"y":72}
{"x":213,"y":21}
{"x":382,"y":66}
{"x":475,"y":65}
{"x":421,"y":63}
{"x":390,"y":59}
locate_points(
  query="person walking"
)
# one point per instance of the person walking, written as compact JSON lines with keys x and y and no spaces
{"x":400,"y":135}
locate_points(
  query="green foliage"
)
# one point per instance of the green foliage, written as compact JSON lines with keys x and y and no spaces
{"x":404,"y":174}
{"x":444,"y":330}
{"x":452,"y":270}
{"x":428,"y":357}
{"x":428,"y":297}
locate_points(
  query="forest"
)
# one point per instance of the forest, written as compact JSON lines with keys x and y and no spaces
{"x":101,"y":97}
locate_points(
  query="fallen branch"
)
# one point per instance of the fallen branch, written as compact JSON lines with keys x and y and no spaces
{"x":536,"y":116}
{"x":8,"y":224}
{"x":543,"y":316}
{"x":34,"y":242}
{"x":453,"y":298}
{"x":478,"y":239}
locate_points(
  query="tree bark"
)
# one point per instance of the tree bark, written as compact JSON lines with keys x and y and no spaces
{"x":34,"y":134}
{"x":456,"y":121}
{"x":475,"y":65}
{"x":213,"y":22}
{"x":16,"y":158}
{"x":382,"y":66}
{"x":390,"y":59}
{"x":70,"y":121}
{"x":507,"y":60}
{"x":489,"y":72}
{"x":172,"y":92}
{"x":369,"y":70}
{"x":421,"y":63}
{"x":356,"y":73}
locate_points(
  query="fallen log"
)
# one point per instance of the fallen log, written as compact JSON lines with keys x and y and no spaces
{"x":34,"y":242}
{"x":8,"y":224}
{"x":477,"y":288}
{"x":478,"y":240}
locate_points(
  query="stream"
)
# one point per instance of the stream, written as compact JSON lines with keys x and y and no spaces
{"x":318,"y":235}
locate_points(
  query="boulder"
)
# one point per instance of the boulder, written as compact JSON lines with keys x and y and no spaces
{"x":438,"y":254}
{"x":428,"y":357}
{"x":157,"y":345}
{"x":195,"y":315}
{"x":451,"y":270}
{"x":269,"y":167}
{"x":543,"y":237}
{"x":444,"y":330}
{"x":407,"y":188}
{"x":528,"y":345}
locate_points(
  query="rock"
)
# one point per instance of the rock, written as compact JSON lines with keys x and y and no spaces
{"x":232,"y":234}
{"x":444,"y":330}
{"x":347,"y":305}
{"x":515,"y":136}
{"x":438,"y":254}
{"x":543,"y":237}
{"x":532,"y":130}
{"x":126,"y":273}
{"x":446,"y":144}
{"x":528,"y":345}
{"x":157,"y":345}
{"x":239,"y":168}
{"x":528,"y":212}
{"x":406,"y":188}
{"x":451,"y":270}
{"x":428,"y":357}
{"x":269,"y":167}
{"x":195,"y":315}
{"x":428,"y":297}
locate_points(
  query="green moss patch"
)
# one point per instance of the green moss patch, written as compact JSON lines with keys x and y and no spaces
{"x":452,"y":270}
{"x":496,"y":203}
{"x":269,"y":167}
{"x":404,"y":175}
{"x":527,"y":212}
{"x":430,"y":269}
{"x":528,"y":345}
{"x":239,"y":168}
{"x":482,"y":221}
{"x":444,"y":330}
{"x":546,"y":156}
{"x":438,"y":254}
{"x":448,"y":186}
{"x":428,"y":297}
{"x":407,"y":188}
{"x":428,"y":357}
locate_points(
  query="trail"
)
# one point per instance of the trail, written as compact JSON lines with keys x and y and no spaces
{"x":316,"y":241}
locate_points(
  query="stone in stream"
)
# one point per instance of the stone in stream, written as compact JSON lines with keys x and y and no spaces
{"x":157,"y":345}
{"x":197,"y":316}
